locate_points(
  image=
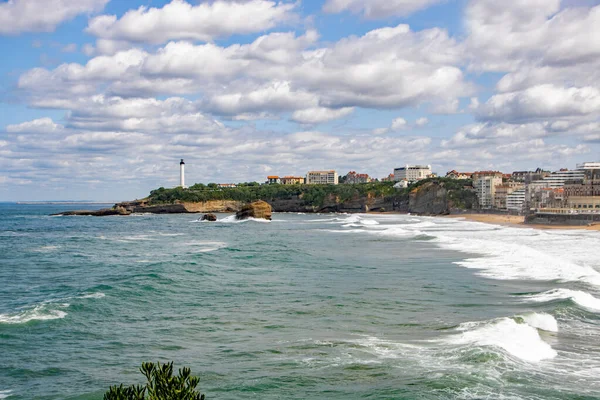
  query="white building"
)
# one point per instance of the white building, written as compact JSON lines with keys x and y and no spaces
{"x":589,"y":165}
{"x":516,"y":200}
{"x":412,"y":173}
{"x":322,"y":178}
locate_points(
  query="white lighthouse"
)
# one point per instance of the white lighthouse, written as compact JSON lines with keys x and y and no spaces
{"x":182,"y":174}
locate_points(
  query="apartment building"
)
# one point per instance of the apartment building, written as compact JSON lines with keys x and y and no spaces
{"x":322,"y":178}
{"x":412,"y":173}
{"x":485,"y":183}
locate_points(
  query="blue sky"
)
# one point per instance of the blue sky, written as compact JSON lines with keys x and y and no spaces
{"x":101,"y":98}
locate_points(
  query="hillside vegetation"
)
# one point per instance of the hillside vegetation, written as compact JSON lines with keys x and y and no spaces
{"x":247,"y":192}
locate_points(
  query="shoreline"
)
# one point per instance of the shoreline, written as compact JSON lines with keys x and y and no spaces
{"x":518,"y":222}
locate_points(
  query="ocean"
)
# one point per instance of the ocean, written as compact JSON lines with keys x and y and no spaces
{"x":304,"y":307}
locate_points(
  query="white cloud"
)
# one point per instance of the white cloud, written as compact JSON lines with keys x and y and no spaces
{"x":421,"y":122}
{"x":387,"y":67}
{"x":42,"y":125}
{"x":398,"y":124}
{"x":180,"y":20}
{"x":17,"y":16}
{"x":69,"y":48}
{"x":541,"y":102}
{"x":507,"y":36}
{"x":374,"y":9}
{"x":317,"y":115}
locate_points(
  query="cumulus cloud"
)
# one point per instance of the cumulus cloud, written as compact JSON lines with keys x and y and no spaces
{"x":541,"y":102}
{"x":42,"y":125}
{"x":507,"y":36}
{"x":317,"y":115}
{"x":374,"y":9}
{"x":180,"y":20}
{"x":421,"y":122}
{"x":387,"y":67}
{"x":18,"y":16}
{"x":398,"y":124}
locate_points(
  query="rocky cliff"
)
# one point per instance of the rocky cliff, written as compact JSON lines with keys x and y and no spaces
{"x":430,"y":198}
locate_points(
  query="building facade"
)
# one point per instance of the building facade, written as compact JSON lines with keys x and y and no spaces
{"x":516,"y":200}
{"x":412,"y":173}
{"x":485,"y":183}
{"x":322,"y":178}
{"x":272,"y":179}
{"x":353,"y":177}
{"x":292,"y":180}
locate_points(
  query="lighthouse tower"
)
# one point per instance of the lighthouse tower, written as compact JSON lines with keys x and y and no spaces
{"x":182,"y":174}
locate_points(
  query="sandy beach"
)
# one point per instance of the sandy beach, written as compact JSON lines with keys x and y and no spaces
{"x":517,"y":221}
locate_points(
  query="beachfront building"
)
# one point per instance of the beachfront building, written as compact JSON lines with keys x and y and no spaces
{"x":590,"y":203}
{"x":292,"y":180}
{"x":322,"y":178}
{"x":273,"y":179}
{"x":502,"y":192}
{"x":412,"y":173}
{"x":354,"y":177}
{"x":516,"y":200}
{"x":485,"y":183}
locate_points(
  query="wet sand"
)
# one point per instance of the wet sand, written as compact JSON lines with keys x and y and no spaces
{"x":518,"y":221}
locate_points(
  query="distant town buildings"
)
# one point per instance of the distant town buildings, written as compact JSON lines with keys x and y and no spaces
{"x":412,"y":173}
{"x":322,"y":178}
{"x":354,"y":177}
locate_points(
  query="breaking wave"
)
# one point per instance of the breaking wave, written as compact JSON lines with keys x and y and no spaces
{"x":42,"y":312}
{"x":583,"y":299}
{"x":520,"y":339}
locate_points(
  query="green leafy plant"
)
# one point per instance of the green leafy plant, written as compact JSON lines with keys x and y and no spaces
{"x":161,"y":385}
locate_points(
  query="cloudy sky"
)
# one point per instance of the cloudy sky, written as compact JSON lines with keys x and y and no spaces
{"x":100,"y":99}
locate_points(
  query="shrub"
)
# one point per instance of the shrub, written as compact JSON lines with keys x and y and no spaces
{"x":161,"y":385}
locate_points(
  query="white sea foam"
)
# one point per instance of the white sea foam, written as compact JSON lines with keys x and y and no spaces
{"x":506,"y":253}
{"x":583,"y":299}
{"x":206,"y":246}
{"x":519,"y":339}
{"x":97,"y":295}
{"x":5,"y":393}
{"x":40,"y":312}
{"x":543,"y":321}
{"x":46,"y":249}
{"x":233,"y":220}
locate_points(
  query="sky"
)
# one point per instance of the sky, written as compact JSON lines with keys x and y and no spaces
{"x":100,"y":99}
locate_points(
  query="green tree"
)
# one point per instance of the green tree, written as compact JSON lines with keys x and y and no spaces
{"x":161,"y":385}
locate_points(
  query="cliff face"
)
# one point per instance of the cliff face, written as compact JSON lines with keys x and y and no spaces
{"x":332,"y":204}
{"x":142,"y":206}
{"x":430,"y":198}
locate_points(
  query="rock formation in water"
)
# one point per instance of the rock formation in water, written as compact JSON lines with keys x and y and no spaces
{"x":98,"y":213}
{"x":209,"y":217}
{"x":258,"y":209}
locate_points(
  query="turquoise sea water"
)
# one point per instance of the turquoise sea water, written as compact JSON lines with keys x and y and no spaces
{"x":303,"y":307}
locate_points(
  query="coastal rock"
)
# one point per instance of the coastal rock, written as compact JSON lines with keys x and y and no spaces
{"x":209,"y":217}
{"x":258,"y":209}
{"x":97,"y":213}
